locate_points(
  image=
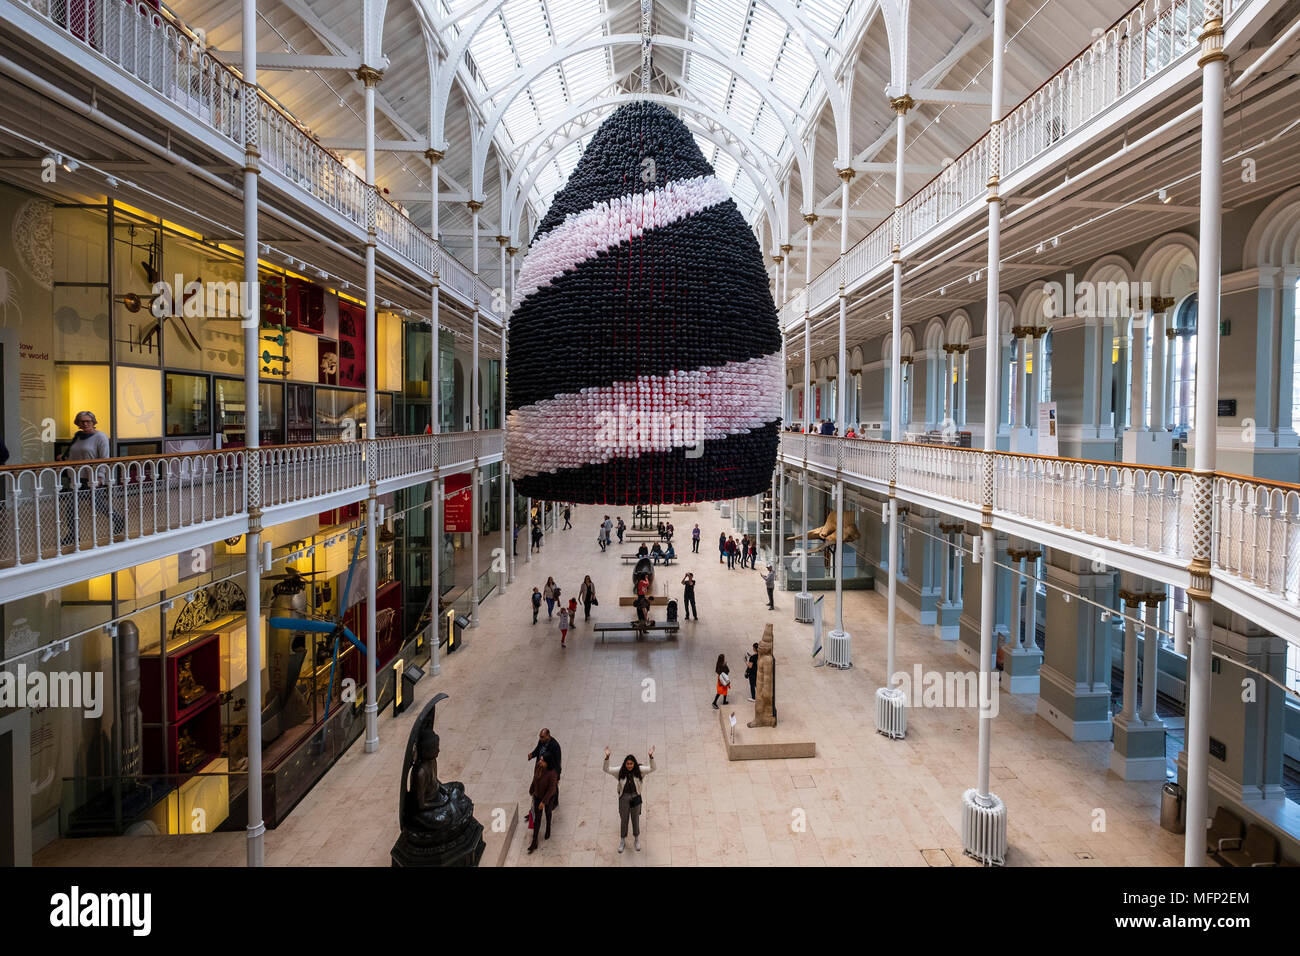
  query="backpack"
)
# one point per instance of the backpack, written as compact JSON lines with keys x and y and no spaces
{"x":672,"y":610}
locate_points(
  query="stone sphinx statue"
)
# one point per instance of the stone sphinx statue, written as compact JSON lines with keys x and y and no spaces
{"x":765,"y":686}
{"x":437,"y":819}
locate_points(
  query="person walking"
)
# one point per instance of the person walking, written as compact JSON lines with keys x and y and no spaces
{"x":567,"y":512}
{"x":722,"y":546}
{"x":549,"y":592}
{"x":537,"y":536}
{"x":516,"y":541}
{"x":621,"y":528}
{"x":588,"y":595}
{"x":630,"y":777}
{"x":695,"y":540}
{"x":537,"y":603}
{"x":573,"y":610}
{"x":723,"y":675}
{"x":731,"y":553}
{"x":744,"y":551}
{"x":751,"y":671}
{"x":548,"y":747}
{"x":753,"y":554}
{"x":545,"y":794}
{"x":564,"y":625}
{"x":769,"y":581}
{"x":688,"y":596}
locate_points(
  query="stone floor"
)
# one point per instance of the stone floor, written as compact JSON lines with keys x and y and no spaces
{"x":862,"y":800}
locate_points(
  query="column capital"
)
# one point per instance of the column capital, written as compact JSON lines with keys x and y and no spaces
{"x":502,"y":240}
{"x":778,"y":259}
{"x":847,"y":173}
{"x":1153,"y":598}
{"x":1021,"y":331}
{"x":952,"y":528}
{"x":786,"y":248}
{"x":901,"y":104}
{"x":1171,"y":334}
{"x":1038,"y":331}
{"x":1158,"y":304}
{"x":369,"y":75}
{"x":474,"y":205}
{"x":434,"y":156}
{"x":511,"y":250}
{"x":1212,"y":35}
{"x":810,"y":218}
{"x":1131,"y":598}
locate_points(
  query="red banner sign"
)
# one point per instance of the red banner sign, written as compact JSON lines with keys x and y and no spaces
{"x":457,"y":504}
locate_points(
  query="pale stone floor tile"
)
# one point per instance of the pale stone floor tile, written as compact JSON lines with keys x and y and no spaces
{"x":864,"y":799}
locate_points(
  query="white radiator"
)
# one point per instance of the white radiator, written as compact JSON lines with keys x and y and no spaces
{"x":984,"y":828}
{"x":837,"y":649}
{"x":891,"y":712}
{"x":803,"y":608}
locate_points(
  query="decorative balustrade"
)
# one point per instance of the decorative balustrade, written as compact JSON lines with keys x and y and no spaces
{"x":58,"y":509}
{"x":824,"y":288}
{"x":1148,"y":40}
{"x":941,"y":471}
{"x":288,"y":149}
{"x":823,"y":450}
{"x":54,"y":510}
{"x":405,"y":238}
{"x":874,"y":250}
{"x":456,"y":275}
{"x":1257,"y":534}
{"x":866,"y":457}
{"x":957,"y":186}
{"x":144,"y":42}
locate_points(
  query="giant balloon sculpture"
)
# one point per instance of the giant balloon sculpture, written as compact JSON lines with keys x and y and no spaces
{"x":645,"y":358}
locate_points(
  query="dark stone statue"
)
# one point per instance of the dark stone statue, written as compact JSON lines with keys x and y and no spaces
{"x":437,"y":819}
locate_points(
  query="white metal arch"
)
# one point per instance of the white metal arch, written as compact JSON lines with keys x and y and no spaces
{"x":517,"y":191}
{"x":792,"y":15}
{"x":607,"y":101}
{"x":732,"y":62}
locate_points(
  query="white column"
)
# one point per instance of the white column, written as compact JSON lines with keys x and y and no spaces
{"x":1132,"y":605}
{"x":1031,"y":603}
{"x":1150,"y":656}
{"x":810,"y":218}
{"x":1213,"y":62}
{"x":846,"y":175}
{"x":1138,"y":393}
{"x":369,"y":77}
{"x":1016,"y":580}
{"x":1026,"y":353}
{"x":435,"y":597}
{"x":435,"y":409}
{"x":503,"y":575}
{"x":509,"y":297}
{"x":1180,"y":632}
{"x":1158,"y":372}
{"x":528,"y":529}
{"x":475,"y":420}
{"x":252,"y":438}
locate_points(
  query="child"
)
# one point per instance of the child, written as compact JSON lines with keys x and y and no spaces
{"x":564,"y":625}
{"x":537,"y":603}
{"x":573,"y":609}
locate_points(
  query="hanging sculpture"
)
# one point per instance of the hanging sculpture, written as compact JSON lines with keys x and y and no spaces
{"x":645,"y":356}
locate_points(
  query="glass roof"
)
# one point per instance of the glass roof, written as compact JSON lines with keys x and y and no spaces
{"x":524,"y":32}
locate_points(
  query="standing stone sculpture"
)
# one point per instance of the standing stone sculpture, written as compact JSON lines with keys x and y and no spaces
{"x":765,"y":686}
{"x":438,"y":825}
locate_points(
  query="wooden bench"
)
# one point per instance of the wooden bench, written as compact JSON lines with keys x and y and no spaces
{"x":658,"y":601}
{"x":666,"y":628}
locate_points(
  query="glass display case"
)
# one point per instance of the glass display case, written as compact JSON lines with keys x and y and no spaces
{"x":300,"y":414}
{"x":189,"y":404}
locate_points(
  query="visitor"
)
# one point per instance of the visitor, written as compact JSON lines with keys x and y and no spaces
{"x":723,"y":674}
{"x":688,"y":596}
{"x":722,"y":547}
{"x":537,"y":536}
{"x":537,"y":603}
{"x":600,"y":538}
{"x":744,"y":551}
{"x":753,"y":555}
{"x":567,"y":524}
{"x":564,"y":625}
{"x":695,"y":540}
{"x":850,"y":433}
{"x":661,"y":531}
{"x":549,"y":592}
{"x":606,"y":527}
{"x":671,"y":553}
{"x":88,"y":444}
{"x":656,"y":553}
{"x":643,"y":551}
{"x":642,"y":605}
{"x":731,"y":553}
{"x":769,"y":580}
{"x":545,"y":793}
{"x":631,"y":789}
{"x":828,"y":427}
{"x":671,"y":531}
{"x":751,"y":671}
{"x":573,"y":610}
{"x":588,"y":594}
{"x":548,"y":747}
{"x":621,"y":528}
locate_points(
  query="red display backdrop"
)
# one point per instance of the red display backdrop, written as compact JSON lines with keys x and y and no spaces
{"x":457,"y":504}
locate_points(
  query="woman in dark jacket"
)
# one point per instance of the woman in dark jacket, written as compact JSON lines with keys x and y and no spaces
{"x":587,"y":594}
{"x":545,"y":793}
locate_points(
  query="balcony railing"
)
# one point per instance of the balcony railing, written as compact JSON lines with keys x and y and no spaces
{"x":1153,"y":37}
{"x":157,"y":49}
{"x":1144,"y":511}
{"x":54,"y":510}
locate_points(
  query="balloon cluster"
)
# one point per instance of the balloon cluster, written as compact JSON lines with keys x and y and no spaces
{"x":644,"y":359}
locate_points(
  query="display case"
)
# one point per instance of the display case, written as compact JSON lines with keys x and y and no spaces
{"x":352,"y":345}
{"x":188,"y":404}
{"x":300,"y":414}
{"x":305,"y":306}
{"x":179,"y":706}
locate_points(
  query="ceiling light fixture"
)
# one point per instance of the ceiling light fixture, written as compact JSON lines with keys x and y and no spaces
{"x":1056,"y":241}
{"x":1164,"y":195}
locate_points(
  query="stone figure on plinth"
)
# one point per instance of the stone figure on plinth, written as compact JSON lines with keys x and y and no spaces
{"x":765,"y":686}
{"x":437,"y":819}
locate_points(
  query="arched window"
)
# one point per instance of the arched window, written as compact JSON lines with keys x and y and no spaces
{"x":1184,"y":346}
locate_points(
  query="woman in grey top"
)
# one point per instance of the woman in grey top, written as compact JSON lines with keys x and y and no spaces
{"x":88,"y":444}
